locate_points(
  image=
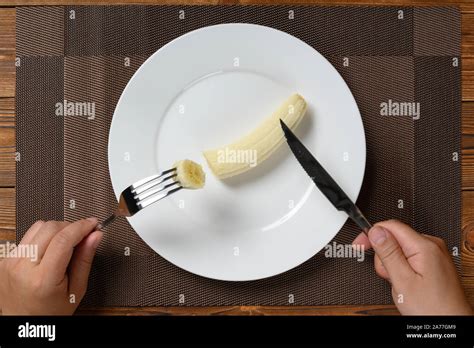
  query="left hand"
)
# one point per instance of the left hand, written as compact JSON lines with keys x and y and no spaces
{"x":55,"y":280}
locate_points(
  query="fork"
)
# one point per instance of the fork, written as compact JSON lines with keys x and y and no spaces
{"x":143,"y":193}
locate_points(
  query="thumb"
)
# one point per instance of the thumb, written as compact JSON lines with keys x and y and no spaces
{"x":391,"y":255}
{"x":81,"y":263}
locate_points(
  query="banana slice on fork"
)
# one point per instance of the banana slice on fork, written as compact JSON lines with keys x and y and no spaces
{"x":189,"y":174}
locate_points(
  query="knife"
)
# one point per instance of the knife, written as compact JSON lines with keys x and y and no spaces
{"x":326,"y":184}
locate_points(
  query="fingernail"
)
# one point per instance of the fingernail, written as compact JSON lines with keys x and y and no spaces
{"x":377,"y":235}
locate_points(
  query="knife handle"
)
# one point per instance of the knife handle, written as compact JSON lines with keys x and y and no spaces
{"x":359,"y":218}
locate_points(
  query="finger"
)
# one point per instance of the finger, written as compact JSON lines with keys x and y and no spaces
{"x":439,"y":242}
{"x":27,"y":241}
{"x":410,"y":241}
{"x":47,"y":231}
{"x":380,"y":269}
{"x":59,"y":251}
{"x":363,"y":241}
{"x":393,"y":259}
{"x":81,"y":263}
{"x":31,"y":232}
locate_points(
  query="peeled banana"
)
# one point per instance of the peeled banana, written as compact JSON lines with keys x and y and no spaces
{"x":189,"y":174}
{"x":258,"y":145}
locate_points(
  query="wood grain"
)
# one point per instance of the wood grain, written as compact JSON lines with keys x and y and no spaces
{"x":467,"y":35}
{"x":467,"y":251}
{"x":468,"y":146}
{"x":7,"y":148}
{"x":244,"y":310}
{"x":7,"y":214}
{"x":106,"y":2}
{"x":468,"y":77}
{"x":467,"y":49}
{"x":7,"y":138}
{"x":7,"y":112}
{"x":468,"y":118}
{"x":465,"y":5}
{"x":7,"y":165}
{"x":7,"y":52}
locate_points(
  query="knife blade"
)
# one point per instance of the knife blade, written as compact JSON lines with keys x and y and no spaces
{"x":325,"y":183}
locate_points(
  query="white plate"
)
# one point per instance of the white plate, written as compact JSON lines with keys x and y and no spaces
{"x":206,"y":89}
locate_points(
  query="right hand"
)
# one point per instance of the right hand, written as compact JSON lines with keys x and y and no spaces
{"x":419,"y":267}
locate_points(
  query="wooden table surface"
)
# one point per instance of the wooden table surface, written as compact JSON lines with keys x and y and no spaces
{"x":7,"y":149}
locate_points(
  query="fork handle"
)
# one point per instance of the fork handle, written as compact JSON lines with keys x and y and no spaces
{"x":107,"y":221}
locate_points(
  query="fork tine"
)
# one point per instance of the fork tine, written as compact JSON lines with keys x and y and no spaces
{"x":155,"y":198}
{"x":153,"y":183}
{"x":144,"y":193}
{"x":151,"y":178}
{"x":154,"y":189}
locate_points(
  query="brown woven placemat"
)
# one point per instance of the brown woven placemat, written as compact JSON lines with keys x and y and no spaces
{"x":81,"y":54}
